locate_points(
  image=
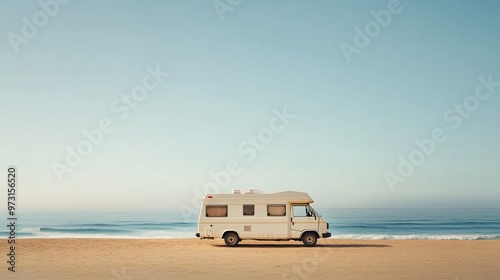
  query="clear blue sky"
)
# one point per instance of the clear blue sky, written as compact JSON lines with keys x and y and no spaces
{"x":353,"y":120}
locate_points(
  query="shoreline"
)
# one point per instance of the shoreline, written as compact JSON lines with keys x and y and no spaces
{"x":192,"y":258}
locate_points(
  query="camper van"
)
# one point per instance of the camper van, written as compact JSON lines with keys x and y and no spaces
{"x":252,"y":214}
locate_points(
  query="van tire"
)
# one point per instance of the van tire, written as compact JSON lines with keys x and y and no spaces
{"x":231,"y":238}
{"x":309,"y":239}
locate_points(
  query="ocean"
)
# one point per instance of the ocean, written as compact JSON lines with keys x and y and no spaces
{"x":439,"y":224}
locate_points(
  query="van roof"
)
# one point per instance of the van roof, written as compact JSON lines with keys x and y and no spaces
{"x":297,"y":197}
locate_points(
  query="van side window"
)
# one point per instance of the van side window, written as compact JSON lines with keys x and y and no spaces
{"x":248,"y":209}
{"x":276,"y":210}
{"x":302,"y":211}
{"x":216,"y":211}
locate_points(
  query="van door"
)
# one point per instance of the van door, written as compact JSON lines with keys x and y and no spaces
{"x":303,"y":218}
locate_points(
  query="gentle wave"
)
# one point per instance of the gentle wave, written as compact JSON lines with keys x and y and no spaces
{"x":123,"y":232}
{"x":132,"y":223}
{"x":106,"y":228}
{"x":417,"y":237}
{"x":83,"y":230}
{"x":421,"y":223}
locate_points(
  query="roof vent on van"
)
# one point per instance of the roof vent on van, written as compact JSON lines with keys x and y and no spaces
{"x":249,"y":191}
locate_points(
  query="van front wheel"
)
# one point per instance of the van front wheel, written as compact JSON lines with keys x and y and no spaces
{"x":309,"y":239}
{"x":232,"y":239}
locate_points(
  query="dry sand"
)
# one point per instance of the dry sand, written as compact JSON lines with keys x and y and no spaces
{"x":121,"y":259}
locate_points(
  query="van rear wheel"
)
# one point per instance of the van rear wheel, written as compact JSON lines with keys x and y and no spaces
{"x":309,"y":239}
{"x":232,"y":239}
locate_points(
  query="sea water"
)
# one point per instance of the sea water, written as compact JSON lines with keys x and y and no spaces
{"x":439,"y":224}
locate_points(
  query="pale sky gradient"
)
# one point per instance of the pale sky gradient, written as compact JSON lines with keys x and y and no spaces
{"x":353,"y":120}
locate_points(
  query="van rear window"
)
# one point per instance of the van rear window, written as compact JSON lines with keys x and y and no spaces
{"x":216,"y":211}
{"x":276,"y":210}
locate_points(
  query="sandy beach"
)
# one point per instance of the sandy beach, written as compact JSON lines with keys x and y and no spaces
{"x":125,"y":259}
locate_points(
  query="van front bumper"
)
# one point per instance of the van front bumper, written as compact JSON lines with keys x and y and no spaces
{"x":326,"y":234}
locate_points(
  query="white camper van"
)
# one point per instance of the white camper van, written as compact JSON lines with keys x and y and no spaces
{"x":251,"y":214}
